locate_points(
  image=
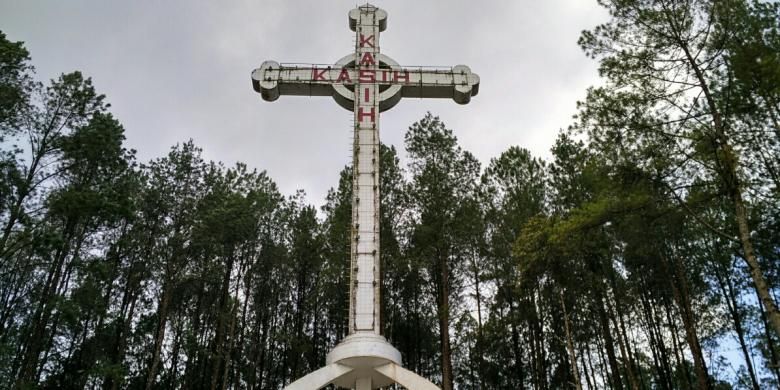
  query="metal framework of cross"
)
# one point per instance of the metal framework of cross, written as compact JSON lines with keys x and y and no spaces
{"x":367,"y":83}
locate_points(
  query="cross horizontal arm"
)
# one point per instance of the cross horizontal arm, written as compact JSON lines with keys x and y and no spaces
{"x":272,"y":80}
{"x":458,"y":83}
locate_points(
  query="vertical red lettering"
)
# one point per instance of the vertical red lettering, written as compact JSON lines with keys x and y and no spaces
{"x":366,"y":95}
{"x":317,"y":75}
{"x":367,"y":59}
{"x":362,"y":114}
{"x":366,"y":76}
{"x":384,"y":75}
{"x":344,"y":76}
{"x":397,"y":76}
{"x":366,"y":40}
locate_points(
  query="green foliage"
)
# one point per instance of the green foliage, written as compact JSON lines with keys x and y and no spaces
{"x":15,"y":83}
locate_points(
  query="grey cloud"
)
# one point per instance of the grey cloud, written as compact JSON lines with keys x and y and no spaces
{"x":180,"y":69}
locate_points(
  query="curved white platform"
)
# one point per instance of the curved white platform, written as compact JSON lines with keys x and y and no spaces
{"x":363,"y":361}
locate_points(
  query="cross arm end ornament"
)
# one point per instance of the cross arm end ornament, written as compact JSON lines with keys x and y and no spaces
{"x":262,"y":84}
{"x":466,"y":84}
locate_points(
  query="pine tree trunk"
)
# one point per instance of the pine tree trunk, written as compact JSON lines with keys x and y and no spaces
{"x":242,"y":333}
{"x":727,"y":164}
{"x":516,"y":350}
{"x":609,"y":342}
{"x":631,"y":343}
{"x":587,"y":366}
{"x":218,"y":354}
{"x":681,"y":295}
{"x":632,"y":366}
{"x":36,"y":337}
{"x":162,"y":320}
{"x":174,"y":372}
{"x":660,"y":354}
{"x":602,"y":362}
{"x":575,"y":372}
{"x":194,"y":367}
{"x":617,"y":319}
{"x":632,"y":382}
{"x":117,"y":356}
{"x":540,"y":366}
{"x":731,"y":304}
{"x":444,"y":325}
{"x":12,"y":292}
{"x":679,"y":353}
{"x":229,"y":352}
{"x":755,"y":270}
{"x":770,"y":344}
{"x":478,"y":346}
{"x":534,"y":363}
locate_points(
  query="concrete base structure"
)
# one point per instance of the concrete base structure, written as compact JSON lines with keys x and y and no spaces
{"x":363,"y":361}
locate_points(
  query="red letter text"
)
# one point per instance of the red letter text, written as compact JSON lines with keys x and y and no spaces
{"x":362,"y":114}
{"x":366,"y":76}
{"x":397,"y":76}
{"x":366,"y":40}
{"x":317,"y":75}
{"x":344,"y":76}
{"x":368,"y":59}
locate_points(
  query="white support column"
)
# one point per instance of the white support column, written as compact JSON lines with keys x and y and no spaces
{"x":363,"y":384}
{"x":365,"y":273}
{"x":320,"y":378}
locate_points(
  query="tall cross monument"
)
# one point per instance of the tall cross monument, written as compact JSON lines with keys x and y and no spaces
{"x":365,"y":82}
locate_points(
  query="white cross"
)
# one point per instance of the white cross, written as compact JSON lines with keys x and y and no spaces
{"x":367,"y":83}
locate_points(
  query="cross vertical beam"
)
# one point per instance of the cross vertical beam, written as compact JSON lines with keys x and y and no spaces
{"x":365,"y":276}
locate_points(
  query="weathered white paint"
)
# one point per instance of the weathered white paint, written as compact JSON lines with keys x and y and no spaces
{"x":366,"y":82}
{"x":320,"y":378}
{"x":363,"y":344}
{"x":405,"y":377}
{"x":363,"y":384}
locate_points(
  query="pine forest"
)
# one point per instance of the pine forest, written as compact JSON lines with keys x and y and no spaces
{"x":644,"y":254}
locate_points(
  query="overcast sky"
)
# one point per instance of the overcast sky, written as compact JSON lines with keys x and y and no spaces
{"x":175,"y":70}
